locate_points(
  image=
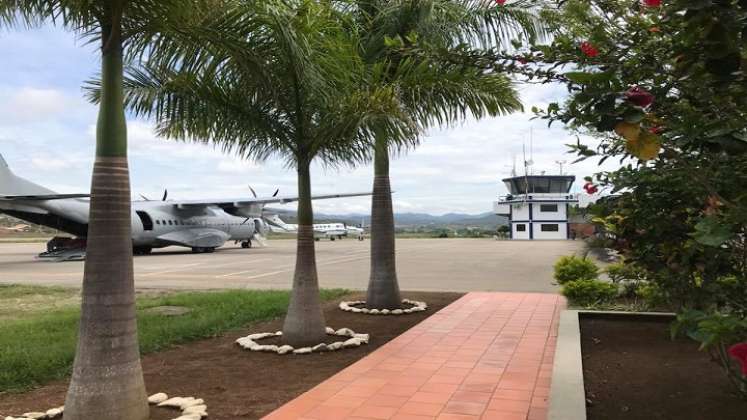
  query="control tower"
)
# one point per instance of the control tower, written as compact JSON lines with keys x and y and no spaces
{"x":537,"y":206}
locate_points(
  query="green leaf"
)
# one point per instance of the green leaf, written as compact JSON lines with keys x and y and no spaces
{"x":634,"y":116}
{"x":395,"y":42}
{"x":584,"y":78}
{"x":709,"y":231}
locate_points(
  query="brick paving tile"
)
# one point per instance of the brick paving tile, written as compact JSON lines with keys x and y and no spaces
{"x":486,"y":356}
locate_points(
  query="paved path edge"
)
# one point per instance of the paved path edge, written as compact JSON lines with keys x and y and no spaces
{"x":567,"y":395}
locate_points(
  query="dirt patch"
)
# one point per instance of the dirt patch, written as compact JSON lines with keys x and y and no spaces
{"x":240,"y":384}
{"x":634,"y":371}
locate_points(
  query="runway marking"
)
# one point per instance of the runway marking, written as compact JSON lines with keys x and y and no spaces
{"x":155,"y":273}
{"x":242,"y":272}
{"x":229,"y":264}
{"x":27,"y":274}
{"x":292,"y":267}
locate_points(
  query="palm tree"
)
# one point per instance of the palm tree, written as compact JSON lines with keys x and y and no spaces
{"x":281,"y":84}
{"x":107,"y":381}
{"x":429,"y":92}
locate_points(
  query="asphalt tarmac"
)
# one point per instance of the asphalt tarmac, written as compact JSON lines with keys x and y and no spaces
{"x":423,"y":264}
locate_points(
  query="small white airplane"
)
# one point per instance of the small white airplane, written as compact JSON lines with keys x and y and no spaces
{"x":321,"y":230}
{"x":202,"y":225}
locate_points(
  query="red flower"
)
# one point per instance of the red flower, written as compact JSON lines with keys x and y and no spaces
{"x":590,"y":188}
{"x":655,"y":129}
{"x":739,"y":352}
{"x":500,"y":2}
{"x":589,"y":50}
{"x":652,"y":3}
{"x":639,"y":96}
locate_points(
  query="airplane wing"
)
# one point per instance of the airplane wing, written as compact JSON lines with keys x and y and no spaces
{"x":241,"y":202}
{"x":41,"y":197}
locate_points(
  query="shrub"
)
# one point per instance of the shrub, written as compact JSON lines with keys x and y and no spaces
{"x":588,"y":292}
{"x":572,"y":268}
{"x":653,"y":295}
{"x":621,"y":271}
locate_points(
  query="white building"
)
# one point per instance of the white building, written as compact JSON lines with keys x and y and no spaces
{"x":537,"y":206}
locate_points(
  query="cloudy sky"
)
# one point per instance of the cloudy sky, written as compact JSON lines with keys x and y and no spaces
{"x":47,"y":135}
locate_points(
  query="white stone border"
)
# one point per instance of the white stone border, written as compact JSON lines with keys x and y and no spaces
{"x":191,"y":408}
{"x":352,"y":306}
{"x":354,"y":340}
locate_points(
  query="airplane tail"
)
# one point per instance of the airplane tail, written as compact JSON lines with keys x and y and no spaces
{"x":12,"y":185}
{"x":276,"y":221}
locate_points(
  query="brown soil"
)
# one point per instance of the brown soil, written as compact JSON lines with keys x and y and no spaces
{"x":634,"y":371}
{"x":239,"y":384}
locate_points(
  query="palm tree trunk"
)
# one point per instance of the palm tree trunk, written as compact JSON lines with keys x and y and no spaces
{"x":304,"y":324}
{"x":383,"y":289}
{"x":107,"y":381}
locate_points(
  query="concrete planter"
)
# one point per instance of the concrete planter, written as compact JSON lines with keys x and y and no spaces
{"x":567,"y":395}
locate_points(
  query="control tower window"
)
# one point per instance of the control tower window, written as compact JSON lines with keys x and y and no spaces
{"x":548,"y":208}
{"x":521,"y":227}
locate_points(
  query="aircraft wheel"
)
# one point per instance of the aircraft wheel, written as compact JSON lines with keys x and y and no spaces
{"x":196,"y":249}
{"x":142,"y":250}
{"x":246,"y":244}
{"x":209,"y":250}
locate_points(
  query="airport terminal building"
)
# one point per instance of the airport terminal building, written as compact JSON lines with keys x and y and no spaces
{"x":537,"y":206}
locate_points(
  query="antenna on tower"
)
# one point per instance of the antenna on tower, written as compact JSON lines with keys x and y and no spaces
{"x":528,"y":163}
{"x":526,"y":170}
{"x":561,"y":163}
{"x":531,"y":145}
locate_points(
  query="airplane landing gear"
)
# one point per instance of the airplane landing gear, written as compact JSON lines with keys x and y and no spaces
{"x":246,"y":244}
{"x":142,"y":250}
{"x":203,"y":249}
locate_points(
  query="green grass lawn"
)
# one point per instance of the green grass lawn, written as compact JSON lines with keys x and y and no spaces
{"x":38,"y":345}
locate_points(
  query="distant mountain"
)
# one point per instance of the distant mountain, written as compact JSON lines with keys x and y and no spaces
{"x":410,"y":220}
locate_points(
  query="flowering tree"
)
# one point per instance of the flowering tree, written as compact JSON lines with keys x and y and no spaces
{"x":662,"y":85}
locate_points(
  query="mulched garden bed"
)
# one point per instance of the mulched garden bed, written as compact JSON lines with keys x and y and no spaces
{"x":239,"y":384}
{"x":633,"y":370}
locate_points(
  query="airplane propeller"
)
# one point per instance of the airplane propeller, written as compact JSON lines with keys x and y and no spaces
{"x":165,"y":195}
{"x":254,"y":193}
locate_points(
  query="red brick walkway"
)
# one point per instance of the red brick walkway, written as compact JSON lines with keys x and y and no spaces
{"x":485,"y":356}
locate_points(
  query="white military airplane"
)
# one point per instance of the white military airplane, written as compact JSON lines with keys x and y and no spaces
{"x":202,"y":225}
{"x":327,"y":230}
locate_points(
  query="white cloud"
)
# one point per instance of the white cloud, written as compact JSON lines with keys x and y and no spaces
{"x":30,"y":104}
{"x":236,"y":166}
{"x":51,"y":164}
